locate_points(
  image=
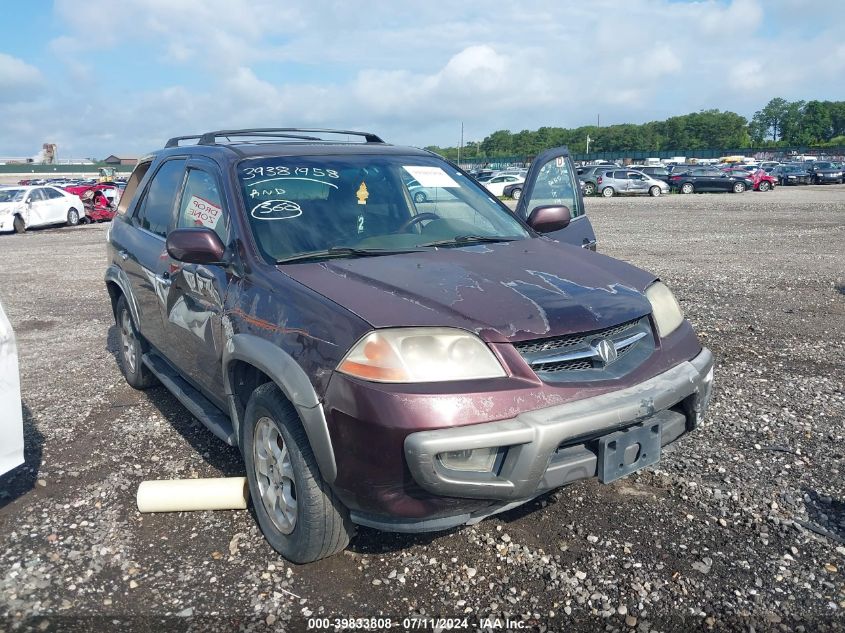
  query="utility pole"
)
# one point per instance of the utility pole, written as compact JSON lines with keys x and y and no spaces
{"x":598,"y":120}
{"x":588,"y":143}
{"x":461,"y":146}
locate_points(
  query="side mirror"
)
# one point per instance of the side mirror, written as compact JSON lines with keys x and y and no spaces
{"x":548,"y":218}
{"x":195,"y":246}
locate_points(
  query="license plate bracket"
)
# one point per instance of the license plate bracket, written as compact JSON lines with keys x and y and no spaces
{"x":629,"y":450}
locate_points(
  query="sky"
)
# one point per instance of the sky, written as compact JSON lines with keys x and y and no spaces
{"x":100,"y":77}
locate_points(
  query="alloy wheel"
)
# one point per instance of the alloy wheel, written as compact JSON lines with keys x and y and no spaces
{"x":274,"y":474}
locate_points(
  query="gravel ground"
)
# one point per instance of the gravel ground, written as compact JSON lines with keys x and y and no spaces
{"x":741,"y":527}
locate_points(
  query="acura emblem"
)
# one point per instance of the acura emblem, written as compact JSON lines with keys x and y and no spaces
{"x":605,"y":349}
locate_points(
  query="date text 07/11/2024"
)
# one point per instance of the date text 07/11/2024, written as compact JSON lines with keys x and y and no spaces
{"x":414,"y":623}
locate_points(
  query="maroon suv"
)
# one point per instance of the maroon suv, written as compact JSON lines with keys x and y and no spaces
{"x":382,"y":361}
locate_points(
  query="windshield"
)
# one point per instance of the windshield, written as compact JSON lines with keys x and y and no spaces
{"x":372,"y":203}
{"x":11,"y":195}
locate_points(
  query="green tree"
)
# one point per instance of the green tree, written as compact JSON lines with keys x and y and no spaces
{"x":772,"y":116}
{"x":816,"y":125}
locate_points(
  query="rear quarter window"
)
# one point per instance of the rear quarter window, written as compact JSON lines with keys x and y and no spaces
{"x":155,"y":211}
{"x":132,"y":186}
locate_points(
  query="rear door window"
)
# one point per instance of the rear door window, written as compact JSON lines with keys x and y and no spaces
{"x":156,"y":209}
{"x":52,"y":194}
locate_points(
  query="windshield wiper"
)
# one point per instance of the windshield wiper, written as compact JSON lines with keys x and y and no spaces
{"x":345,"y":251}
{"x":468,"y":239}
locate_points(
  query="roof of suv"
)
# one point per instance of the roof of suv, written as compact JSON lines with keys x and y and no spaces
{"x":283,"y":142}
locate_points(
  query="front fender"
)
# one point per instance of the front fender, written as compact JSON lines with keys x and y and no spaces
{"x":294,"y":383}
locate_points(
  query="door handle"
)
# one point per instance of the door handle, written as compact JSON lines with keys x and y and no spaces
{"x":164,"y":279}
{"x":123,"y":255}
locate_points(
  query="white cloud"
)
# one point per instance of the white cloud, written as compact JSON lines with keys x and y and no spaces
{"x":410,"y":71}
{"x":19,"y":80}
{"x":749,"y":75}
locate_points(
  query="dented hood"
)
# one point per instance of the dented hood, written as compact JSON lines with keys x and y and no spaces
{"x":508,"y":291}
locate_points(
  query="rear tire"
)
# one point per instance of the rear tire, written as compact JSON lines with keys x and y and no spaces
{"x":19,"y":224}
{"x":516,"y":194}
{"x":687,"y":187}
{"x":72,"y":217}
{"x":136,"y":373}
{"x":589,"y":189}
{"x":607,"y":192}
{"x":654,"y":192}
{"x":764,"y":186}
{"x":305,"y":521}
{"x":739,"y":187}
{"x":419,"y":197}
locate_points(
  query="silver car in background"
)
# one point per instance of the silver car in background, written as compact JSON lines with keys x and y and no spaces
{"x":613,"y":182}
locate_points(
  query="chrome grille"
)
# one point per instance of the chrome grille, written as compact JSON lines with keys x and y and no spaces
{"x":570,"y":340}
{"x":574,"y":357}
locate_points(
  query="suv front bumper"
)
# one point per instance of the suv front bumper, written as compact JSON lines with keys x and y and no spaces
{"x":547,"y":448}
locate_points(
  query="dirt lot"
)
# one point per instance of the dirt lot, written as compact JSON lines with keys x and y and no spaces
{"x":742,"y":524}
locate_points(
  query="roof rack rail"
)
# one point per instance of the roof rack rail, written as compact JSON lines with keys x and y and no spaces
{"x":174,"y":142}
{"x":210,"y":138}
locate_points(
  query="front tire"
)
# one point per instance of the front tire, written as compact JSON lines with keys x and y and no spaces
{"x":654,"y":192}
{"x":296,"y":510}
{"x":72,"y":217}
{"x":589,"y":189}
{"x":419,"y":197}
{"x":764,"y":186}
{"x":687,"y":187}
{"x":738,"y":187}
{"x":136,"y":373}
{"x":516,"y":194}
{"x":607,"y":192}
{"x":18,"y":224}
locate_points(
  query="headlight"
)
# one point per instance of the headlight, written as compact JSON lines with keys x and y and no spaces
{"x":420,"y":354}
{"x":665,"y":309}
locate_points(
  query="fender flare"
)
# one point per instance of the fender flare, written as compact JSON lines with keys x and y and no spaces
{"x":118,"y":277}
{"x":288,"y":376}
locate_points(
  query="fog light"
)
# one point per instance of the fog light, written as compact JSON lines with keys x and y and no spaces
{"x":477,"y":460}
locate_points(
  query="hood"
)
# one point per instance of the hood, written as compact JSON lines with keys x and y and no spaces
{"x":508,"y":291}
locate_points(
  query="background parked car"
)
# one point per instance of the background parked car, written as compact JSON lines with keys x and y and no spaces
{"x":25,"y":207}
{"x":513,"y":190}
{"x":629,"y":182}
{"x":824,"y":172}
{"x":761,"y":181}
{"x":707,"y":179}
{"x":496,"y":185}
{"x":588,"y":175}
{"x":791,"y":175}
{"x":658,"y":172}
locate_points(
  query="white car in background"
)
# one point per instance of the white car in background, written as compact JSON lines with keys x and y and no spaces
{"x":496,"y":185}
{"x":26,"y":207}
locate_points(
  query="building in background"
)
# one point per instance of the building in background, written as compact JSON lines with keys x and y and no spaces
{"x":115,"y":160}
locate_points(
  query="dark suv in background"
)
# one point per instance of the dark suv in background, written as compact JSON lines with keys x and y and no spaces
{"x":410,"y":366}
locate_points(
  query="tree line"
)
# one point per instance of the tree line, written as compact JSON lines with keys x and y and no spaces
{"x":780,"y":123}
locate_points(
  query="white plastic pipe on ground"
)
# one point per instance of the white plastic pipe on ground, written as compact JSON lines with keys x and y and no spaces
{"x":184,"y":495}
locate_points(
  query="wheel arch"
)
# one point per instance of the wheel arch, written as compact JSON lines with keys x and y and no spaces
{"x":249,"y":361}
{"x":118,"y":285}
